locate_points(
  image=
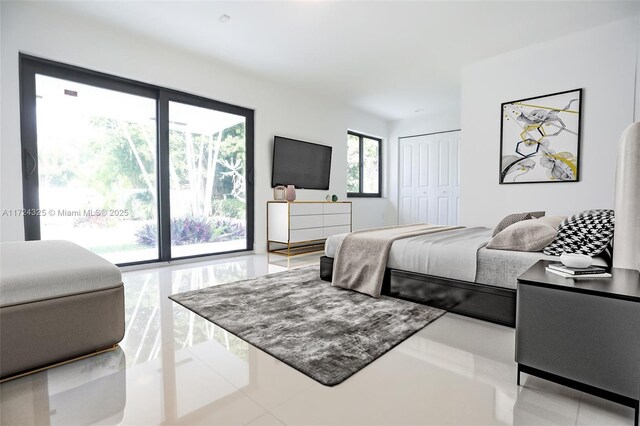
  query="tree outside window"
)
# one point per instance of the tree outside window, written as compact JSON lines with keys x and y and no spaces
{"x":364,"y":171}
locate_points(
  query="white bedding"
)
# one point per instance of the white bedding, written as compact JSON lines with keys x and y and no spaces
{"x":450,"y":254}
{"x":499,"y":268}
{"x":39,"y":270}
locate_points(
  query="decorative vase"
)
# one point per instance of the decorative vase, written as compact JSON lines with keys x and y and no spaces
{"x":279,"y":193}
{"x":290,"y":193}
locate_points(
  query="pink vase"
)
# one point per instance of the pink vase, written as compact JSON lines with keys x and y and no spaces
{"x":290,"y":193}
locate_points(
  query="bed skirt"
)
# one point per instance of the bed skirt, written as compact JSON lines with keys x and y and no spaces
{"x":485,"y":302}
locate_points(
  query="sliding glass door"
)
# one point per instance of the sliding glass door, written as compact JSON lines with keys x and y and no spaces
{"x":133,"y":172}
{"x":96,"y":168}
{"x":207,"y":165}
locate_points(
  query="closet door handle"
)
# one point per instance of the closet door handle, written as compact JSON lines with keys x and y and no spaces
{"x":27,"y":154}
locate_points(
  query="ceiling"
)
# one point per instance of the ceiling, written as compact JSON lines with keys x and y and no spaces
{"x":388,"y":58}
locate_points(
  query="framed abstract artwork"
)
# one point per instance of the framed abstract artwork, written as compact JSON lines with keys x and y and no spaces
{"x":540,"y":139}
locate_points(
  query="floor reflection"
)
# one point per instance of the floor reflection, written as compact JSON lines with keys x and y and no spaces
{"x":174,"y":367}
{"x":146,"y":293}
{"x":90,"y":391}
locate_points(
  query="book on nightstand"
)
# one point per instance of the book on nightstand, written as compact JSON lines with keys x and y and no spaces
{"x":578,"y":271}
{"x":577,"y":276}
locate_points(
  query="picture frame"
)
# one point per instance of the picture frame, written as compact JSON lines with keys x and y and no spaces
{"x":540,"y":139}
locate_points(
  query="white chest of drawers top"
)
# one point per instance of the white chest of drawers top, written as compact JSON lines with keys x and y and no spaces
{"x":306,"y":221}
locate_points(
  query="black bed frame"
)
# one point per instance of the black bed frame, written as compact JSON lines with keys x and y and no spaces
{"x":485,"y":302}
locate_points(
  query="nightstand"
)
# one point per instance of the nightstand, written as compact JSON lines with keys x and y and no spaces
{"x":581,"y":333}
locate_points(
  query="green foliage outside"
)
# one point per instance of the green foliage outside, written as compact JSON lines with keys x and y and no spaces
{"x":353,"y":164}
{"x":119,"y":164}
{"x":212,"y":168}
{"x":370,"y":157}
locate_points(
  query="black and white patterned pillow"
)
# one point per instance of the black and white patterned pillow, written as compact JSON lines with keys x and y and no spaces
{"x":589,"y":232}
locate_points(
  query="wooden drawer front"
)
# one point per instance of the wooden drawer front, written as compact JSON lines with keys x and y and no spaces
{"x":337,"y":219}
{"x":333,"y":230}
{"x":305,"y":208}
{"x":308,"y":221}
{"x":299,"y":235}
{"x":335,"y":208}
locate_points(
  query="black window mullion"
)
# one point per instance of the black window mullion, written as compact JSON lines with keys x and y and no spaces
{"x":85,"y":76}
{"x":379,"y":167}
{"x":29,"y":148}
{"x":249,"y":190}
{"x":361,"y":165}
{"x":163,"y":184}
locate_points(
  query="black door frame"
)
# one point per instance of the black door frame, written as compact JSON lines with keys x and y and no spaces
{"x":31,"y":65}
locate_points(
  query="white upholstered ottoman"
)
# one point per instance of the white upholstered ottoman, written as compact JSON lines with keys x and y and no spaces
{"x":58,"y":301}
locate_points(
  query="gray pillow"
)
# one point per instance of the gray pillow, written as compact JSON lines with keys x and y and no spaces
{"x":527,"y":235}
{"x":514,"y":218}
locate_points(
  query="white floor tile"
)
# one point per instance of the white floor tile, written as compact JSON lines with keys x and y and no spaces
{"x":265,"y":420}
{"x":175,"y":367}
{"x":541,"y":402}
{"x":596,"y":411}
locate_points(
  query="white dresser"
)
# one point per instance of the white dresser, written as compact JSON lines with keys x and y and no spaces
{"x":302,"y":226}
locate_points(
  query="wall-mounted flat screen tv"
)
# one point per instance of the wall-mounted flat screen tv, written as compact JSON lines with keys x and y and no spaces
{"x":303,"y":164}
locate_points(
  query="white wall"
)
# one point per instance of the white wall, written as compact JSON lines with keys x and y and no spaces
{"x":38,"y":30}
{"x":441,"y":122}
{"x":601,"y":61}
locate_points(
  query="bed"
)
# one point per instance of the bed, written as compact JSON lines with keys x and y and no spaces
{"x":499,"y":268}
{"x":486,"y":290}
{"x":58,"y":302}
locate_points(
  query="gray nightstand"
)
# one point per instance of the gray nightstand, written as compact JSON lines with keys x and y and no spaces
{"x":582,"y":333}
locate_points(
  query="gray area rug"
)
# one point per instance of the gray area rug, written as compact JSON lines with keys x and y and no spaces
{"x":325,"y":332}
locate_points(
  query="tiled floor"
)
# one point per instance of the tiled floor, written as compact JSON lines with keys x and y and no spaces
{"x":177,"y":368}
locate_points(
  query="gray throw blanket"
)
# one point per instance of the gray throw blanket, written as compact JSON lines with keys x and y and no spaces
{"x":361,"y":259}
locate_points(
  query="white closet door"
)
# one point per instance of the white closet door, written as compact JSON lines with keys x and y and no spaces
{"x":429,"y":184}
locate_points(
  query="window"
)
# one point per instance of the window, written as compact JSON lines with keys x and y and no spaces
{"x":364,"y":169}
{"x":133,"y":172}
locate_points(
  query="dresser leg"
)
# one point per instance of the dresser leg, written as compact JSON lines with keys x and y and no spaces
{"x":519,"y":377}
{"x":637,"y":413}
